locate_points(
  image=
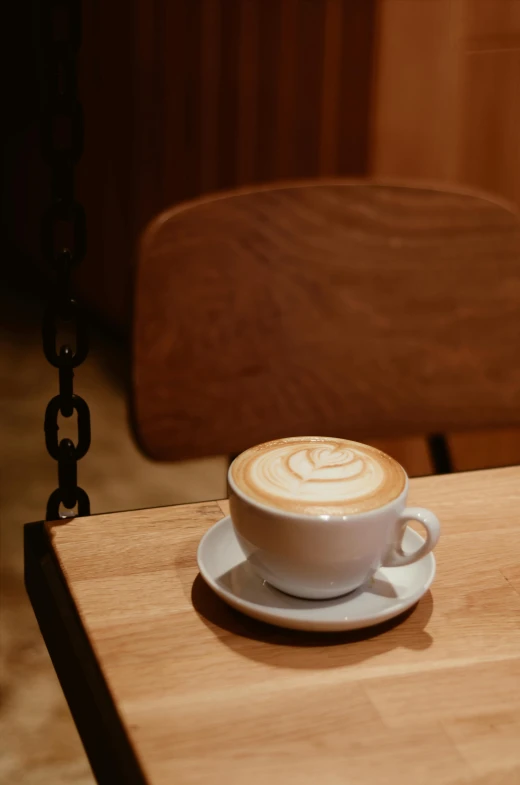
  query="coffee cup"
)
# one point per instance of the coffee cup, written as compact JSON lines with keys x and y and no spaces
{"x":317,"y":516}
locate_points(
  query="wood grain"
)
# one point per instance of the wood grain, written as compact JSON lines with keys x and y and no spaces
{"x":105,"y":174}
{"x":331,"y":96}
{"x":492,"y":26}
{"x":357,"y":64}
{"x":207,"y":695}
{"x":465,"y":127}
{"x":492,"y":116}
{"x":227,"y":76}
{"x":201,"y":95}
{"x":350,"y":309}
{"x":444,"y":104}
{"x":414,"y":112}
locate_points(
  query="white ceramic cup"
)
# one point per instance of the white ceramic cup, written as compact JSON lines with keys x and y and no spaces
{"x":324,"y":556}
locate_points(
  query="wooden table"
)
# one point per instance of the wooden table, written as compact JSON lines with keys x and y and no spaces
{"x":168,"y":685}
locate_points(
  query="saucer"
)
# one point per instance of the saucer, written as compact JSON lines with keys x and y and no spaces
{"x":391,"y":591}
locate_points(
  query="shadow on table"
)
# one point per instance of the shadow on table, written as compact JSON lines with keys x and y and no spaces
{"x":298,"y":649}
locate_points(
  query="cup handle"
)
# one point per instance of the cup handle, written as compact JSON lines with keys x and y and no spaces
{"x":396,"y":557}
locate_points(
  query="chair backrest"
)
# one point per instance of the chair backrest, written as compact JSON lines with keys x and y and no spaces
{"x":332,"y":308}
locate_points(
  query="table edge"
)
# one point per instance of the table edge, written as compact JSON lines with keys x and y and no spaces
{"x":52,"y":523}
{"x":101,"y":730}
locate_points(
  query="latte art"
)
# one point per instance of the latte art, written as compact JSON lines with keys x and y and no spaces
{"x":317,"y":476}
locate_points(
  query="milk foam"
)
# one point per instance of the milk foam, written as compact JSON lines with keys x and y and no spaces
{"x":318,"y":475}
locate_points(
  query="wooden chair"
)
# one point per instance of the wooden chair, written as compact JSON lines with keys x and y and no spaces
{"x":355,"y":309}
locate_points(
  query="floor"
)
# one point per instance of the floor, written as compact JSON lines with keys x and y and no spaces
{"x":39,"y":742}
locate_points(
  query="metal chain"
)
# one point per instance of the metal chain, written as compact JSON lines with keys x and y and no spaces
{"x":63,"y":245}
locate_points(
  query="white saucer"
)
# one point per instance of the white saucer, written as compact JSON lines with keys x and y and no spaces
{"x":390,"y":592}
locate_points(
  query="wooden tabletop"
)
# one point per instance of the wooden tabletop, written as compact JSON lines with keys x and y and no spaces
{"x":188,"y":691}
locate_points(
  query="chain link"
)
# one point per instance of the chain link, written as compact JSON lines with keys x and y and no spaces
{"x":63,"y":245}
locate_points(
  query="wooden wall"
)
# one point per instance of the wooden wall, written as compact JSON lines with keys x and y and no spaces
{"x":242,"y":91}
{"x":446,"y":107}
{"x":445,"y":102}
{"x":184,"y":97}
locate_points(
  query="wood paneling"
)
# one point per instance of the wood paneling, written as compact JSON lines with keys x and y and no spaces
{"x":414,"y":124}
{"x":482,"y":450}
{"x":345,"y":309}
{"x":490,"y":118}
{"x":491,"y":24}
{"x":192,"y":96}
{"x":355,"y":98}
{"x":331,"y":97}
{"x":286,"y":91}
{"x":411,"y":452}
{"x":210,"y":56}
{"x":446,"y":84}
{"x":445,"y":106}
{"x":248,"y":135}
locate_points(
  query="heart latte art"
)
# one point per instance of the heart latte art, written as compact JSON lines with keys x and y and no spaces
{"x":317,"y":476}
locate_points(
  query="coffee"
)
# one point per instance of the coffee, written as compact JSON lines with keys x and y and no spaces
{"x":318,"y":476}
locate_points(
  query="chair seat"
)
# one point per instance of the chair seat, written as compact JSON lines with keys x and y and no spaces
{"x":167,"y":684}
